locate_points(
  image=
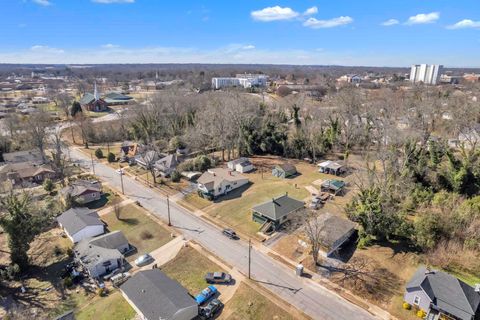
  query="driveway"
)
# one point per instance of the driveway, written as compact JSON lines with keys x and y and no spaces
{"x":306,"y":295}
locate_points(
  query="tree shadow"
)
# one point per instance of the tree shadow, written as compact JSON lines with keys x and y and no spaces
{"x":97,"y":204}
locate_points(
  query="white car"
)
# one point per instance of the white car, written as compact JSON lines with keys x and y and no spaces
{"x":143,"y":260}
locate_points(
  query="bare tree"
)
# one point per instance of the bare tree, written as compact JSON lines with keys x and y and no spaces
{"x":313,"y":230}
{"x":36,"y":127}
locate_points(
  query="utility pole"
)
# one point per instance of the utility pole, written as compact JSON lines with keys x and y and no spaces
{"x":249,"y":257}
{"x":121,"y":178}
{"x":93,"y":164}
{"x":168,"y":210}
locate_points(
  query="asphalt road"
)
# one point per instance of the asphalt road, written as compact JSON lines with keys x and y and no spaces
{"x":304,"y":294}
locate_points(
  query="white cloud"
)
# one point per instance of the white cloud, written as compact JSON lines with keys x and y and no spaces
{"x":331,"y":23}
{"x":423,"y":18}
{"x":310,"y":11}
{"x":274,"y":13}
{"x":464,"y":24}
{"x":42,"y":2}
{"x":248,"y":47}
{"x":390,"y":22}
{"x":110,"y":46}
{"x":113,"y":1}
{"x":46,"y":49}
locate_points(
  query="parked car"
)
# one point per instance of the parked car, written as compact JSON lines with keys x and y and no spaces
{"x":316,"y":203}
{"x":206,"y":294}
{"x":143,"y":260}
{"x":230,"y":233}
{"x":120,"y":278}
{"x":211,"y":309}
{"x":218,"y":277}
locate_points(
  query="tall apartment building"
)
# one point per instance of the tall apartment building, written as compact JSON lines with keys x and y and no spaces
{"x":240,"y":80}
{"x":425,"y":73}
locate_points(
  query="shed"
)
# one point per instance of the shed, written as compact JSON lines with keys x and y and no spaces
{"x":284,"y":170}
{"x":333,"y":186}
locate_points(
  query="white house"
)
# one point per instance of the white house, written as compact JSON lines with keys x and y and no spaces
{"x":81,"y":223}
{"x":219,"y":181}
{"x":241,"y":165}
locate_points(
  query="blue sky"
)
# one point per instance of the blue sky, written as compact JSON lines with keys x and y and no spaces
{"x":343,"y":32}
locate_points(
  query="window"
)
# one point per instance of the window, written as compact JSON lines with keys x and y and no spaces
{"x":416,"y":300}
{"x":94,"y":195}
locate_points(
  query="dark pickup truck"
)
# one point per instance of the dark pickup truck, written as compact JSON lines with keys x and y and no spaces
{"x":218,"y":277}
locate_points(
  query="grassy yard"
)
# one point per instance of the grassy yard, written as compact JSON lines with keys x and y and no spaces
{"x":193,"y":201}
{"x":189,"y":268}
{"x":113,"y":306}
{"x":235,"y":208}
{"x":141,"y":231}
{"x":108,"y":198}
{"x":248,"y":304}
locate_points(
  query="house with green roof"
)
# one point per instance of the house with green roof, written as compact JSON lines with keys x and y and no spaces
{"x":333,"y":186}
{"x":276,"y":211}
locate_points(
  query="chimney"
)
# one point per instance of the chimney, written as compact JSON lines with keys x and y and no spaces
{"x":477,"y":288}
{"x":286,"y":193}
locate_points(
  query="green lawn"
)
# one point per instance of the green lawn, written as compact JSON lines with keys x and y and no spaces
{"x":113,"y":306}
{"x":141,"y":231}
{"x":249,"y":304}
{"x":90,"y":306}
{"x":193,"y":200}
{"x":189,"y":268}
{"x":468,"y":278}
{"x":235,"y":208}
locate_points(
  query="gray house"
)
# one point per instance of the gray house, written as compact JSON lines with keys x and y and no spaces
{"x":334,"y":231}
{"x":276,"y":211}
{"x":103,"y":254}
{"x":155,"y":296}
{"x":81,"y":223}
{"x":83,"y":191}
{"x":166,"y":165}
{"x":284,"y":170}
{"x":442,"y":296}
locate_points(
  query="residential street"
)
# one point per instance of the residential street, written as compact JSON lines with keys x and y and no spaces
{"x":307,"y":296}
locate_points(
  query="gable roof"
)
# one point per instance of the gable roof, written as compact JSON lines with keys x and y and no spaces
{"x":333,"y":184}
{"x":23,"y":156}
{"x":116,"y":96}
{"x":278,"y":208}
{"x":155,"y":295}
{"x":214,"y":177}
{"x":447,"y":292}
{"x":168,"y":162}
{"x":333,"y":228}
{"x":112,"y":240}
{"x":87,"y":98}
{"x":287,"y":167}
{"x":92,"y":251}
{"x":78,"y":187}
{"x":75,"y":219}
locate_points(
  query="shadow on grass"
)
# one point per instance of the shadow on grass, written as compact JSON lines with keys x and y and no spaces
{"x":97,"y":204}
{"x":234,"y":194}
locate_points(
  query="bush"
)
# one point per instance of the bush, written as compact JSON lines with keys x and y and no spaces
{"x":11,"y":272}
{"x":175,"y":176}
{"x":146,"y":235}
{"x":199,"y":163}
{"x":70,"y":252}
{"x":110,"y":157}
{"x":364,"y":240}
{"x":67,"y":282}
{"x":99,"y":153}
{"x":407,"y":306}
{"x":176,"y":143}
{"x":421,"y":314}
{"x":48,"y":185}
{"x":283,"y":91}
{"x":101,"y":292}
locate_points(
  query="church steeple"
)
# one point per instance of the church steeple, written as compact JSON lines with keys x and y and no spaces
{"x":95,"y":91}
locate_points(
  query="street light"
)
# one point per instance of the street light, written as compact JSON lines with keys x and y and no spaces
{"x":93,"y":164}
{"x":120,"y":171}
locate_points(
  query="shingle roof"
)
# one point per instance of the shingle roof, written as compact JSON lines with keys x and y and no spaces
{"x":333,"y":228}
{"x":87,"y":98}
{"x":78,"y":187}
{"x":115,"y":96}
{"x":447,"y":292}
{"x":75,"y":219}
{"x":287,"y":167}
{"x":23,"y":156}
{"x":156,"y":295}
{"x":214,"y":177}
{"x":92,"y":251}
{"x":166,"y":163}
{"x":278,"y":207}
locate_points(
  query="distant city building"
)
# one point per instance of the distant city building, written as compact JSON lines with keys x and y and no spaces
{"x":425,"y":73}
{"x":350,"y":78}
{"x":240,"y":80}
